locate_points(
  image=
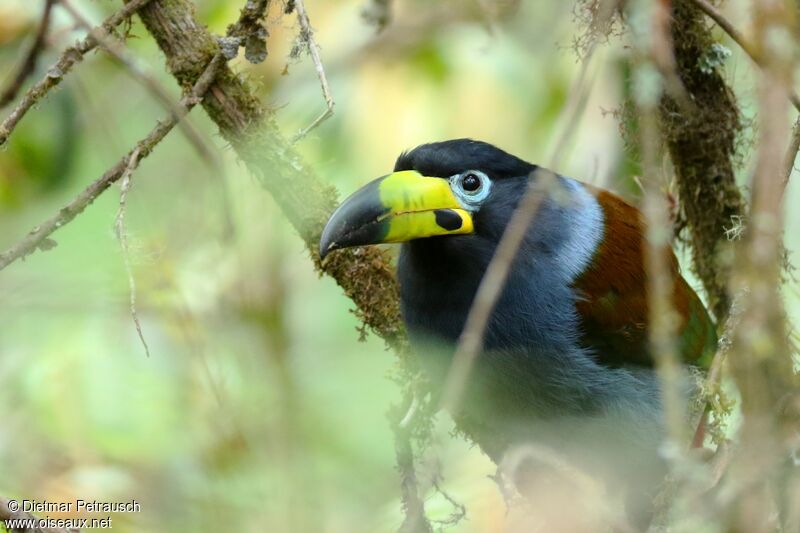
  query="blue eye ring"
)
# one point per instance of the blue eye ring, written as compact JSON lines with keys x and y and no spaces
{"x":471,"y":188}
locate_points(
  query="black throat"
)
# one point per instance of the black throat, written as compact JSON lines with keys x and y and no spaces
{"x":438,"y":281}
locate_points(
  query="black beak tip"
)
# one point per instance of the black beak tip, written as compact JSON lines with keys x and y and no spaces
{"x":325,"y":249}
{"x":356,"y":222}
{"x":327,"y":242}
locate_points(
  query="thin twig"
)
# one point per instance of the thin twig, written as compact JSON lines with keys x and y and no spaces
{"x":70,"y":57}
{"x":471,"y":341}
{"x":118,"y":52}
{"x":39,"y":236}
{"x":459,"y":509}
{"x":575,"y":106}
{"x":742,"y":41}
{"x":307,"y":36}
{"x":655,"y":50}
{"x":662,"y":316}
{"x":727,"y":27}
{"x":662,"y":57}
{"x":414,"y":520}
{"x":760,"y":359}
{"x":541,"y":182}
{"x":711,"y":387}
{"x":791,"y":153}
{"x":122,"y":237}
{"x":412,"y":411}
{"x":28,"y":65}
{"x":582,"y":87}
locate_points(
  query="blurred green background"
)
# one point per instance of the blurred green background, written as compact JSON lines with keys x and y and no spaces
{"x":258,"y":409}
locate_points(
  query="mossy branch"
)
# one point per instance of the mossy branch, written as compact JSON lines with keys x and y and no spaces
{"x":365,"y":274}
{"x":702,"y":146}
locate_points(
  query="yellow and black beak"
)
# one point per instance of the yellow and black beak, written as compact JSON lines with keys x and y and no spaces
{"x":396,"y":208}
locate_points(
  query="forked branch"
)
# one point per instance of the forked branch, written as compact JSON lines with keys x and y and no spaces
{"x":71,"y":56}
{"x":39,"y":237}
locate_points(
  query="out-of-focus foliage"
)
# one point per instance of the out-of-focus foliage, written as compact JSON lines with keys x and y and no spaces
{"x":258,"y":409}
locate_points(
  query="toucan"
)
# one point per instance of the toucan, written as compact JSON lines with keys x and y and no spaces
{"x":566,"y":358}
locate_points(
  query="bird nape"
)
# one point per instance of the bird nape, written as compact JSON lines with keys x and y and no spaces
{"x":566,"y":359}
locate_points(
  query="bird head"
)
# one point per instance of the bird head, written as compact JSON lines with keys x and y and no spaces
{"x":457,"y":187}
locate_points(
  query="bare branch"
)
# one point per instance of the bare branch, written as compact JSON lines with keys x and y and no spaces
{"x":654,"y":50}
{"x":662,"y":56}
{"x":28,"y":65}
{"x":663,"y":319}
{"x":39,"y":236}
{"x":726,"y":25}
{"x":761,"y":360}
{"x":118,"y":52}
{"x":70,"y":57}
{"x":307,"y":36}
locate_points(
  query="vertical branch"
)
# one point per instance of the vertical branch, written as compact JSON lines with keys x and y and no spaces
{"x":655,"y":47}
{"x":122,"y":237}
{"x":702,"y":143}
{"x":760,"y":358}
{"x":762,"y":362}
{"x":663,"y":318}
{"x":415,"y":520}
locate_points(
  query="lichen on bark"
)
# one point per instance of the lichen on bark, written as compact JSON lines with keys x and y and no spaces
{"x":702,"y":143}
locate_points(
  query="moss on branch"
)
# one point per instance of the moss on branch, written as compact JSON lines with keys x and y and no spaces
{"x":365,"y":274}
{"x":702,"y":145}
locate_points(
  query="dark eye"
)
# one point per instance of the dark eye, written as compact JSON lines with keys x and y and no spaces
{"x":471,"y":182}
